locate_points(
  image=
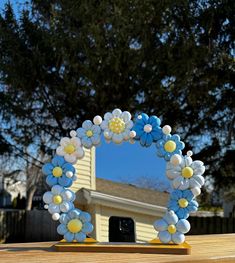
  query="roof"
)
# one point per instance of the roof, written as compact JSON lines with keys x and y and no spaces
{"x":132,"y":192}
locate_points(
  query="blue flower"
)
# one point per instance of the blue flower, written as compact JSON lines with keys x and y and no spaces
{"x":59,"y":172}
{"x":169,"y":145}
{"x":89,"y":134}
{"x":147,"y":129}
{"x":171,"y":229}
{"x":75,"y":225}
{"x":182,"y":203}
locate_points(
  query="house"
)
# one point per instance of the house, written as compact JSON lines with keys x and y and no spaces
{"x":117,"y":206}
{"x":11,"y":190}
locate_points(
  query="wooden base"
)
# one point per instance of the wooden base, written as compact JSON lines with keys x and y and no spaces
{"x":153,"y":247}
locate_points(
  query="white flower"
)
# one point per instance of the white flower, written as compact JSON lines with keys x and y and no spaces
{"x":117,"y":126}
{"x":59,"y":199}
{"x":71,"y":149}
{"x":186,"y":174}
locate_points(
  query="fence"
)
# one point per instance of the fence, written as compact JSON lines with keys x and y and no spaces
{"x":37,"y":225}
{"x":27,"y":226}
{"x":211,"y":225}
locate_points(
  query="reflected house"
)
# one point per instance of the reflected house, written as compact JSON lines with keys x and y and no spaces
{"x":120,"y":212}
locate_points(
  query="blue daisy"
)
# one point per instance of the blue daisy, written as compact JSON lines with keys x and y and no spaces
{"x":171,"y":229}
{"x":89,"y":134}
{"x":182,"y":203}
{"x":169,"y":145}
{"x":59,"y":172}
{"x":147,"y":129}
{"x":75,"y":225}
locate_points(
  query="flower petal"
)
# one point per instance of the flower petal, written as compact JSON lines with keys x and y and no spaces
{"x":57,"y":189}
{"x":80,"y":237}
{"x":68,"y":167}
{"x":75,"y":213}
{"x":164,"y":236}
{"x":183,"y":226}
{"x":177,"y":182}
{"x":64,"y":219}
{"x":69,"y":237}
{"x":65,"y":181}
{"x":86,"y":125}
{"x":145,"y":118}
{"x":51,"y":180}
{"x":58,"y":161}
{"x":95,"y":139}
{"x":52,"y":208}
{"x":170,"y":217}
{"x":199,"y":170}
{"x":96,"y":129}
{"x":178,"y":238}
{"x":108,"y":116}
{"x":70,"y":158}
{"x":182,"y":213}
{"x":62,"y":229}
{"x":75,"y":141}
{"x":47,"y":197}
{"x":68,"y":195}
{"x":126,"y":116}
{"x":116,"y":112}
{"x":104,"y":125}
{"x":81,"y":132}
{"x":86,"y":142}
{"x":154,"y":121}
{"x":85,"y":217}
{"x":160,"y":225}
{"x":196,"y":181}
{"x":117,"y":138}
{"x":188,"y":161}
{"x":60,"y":151}
{"x":177,"y":194}
{"x":129,"y":125}
{"x":87,"y":227}
{"x":65,"y":207}
{"x":64,"y":141}
{"x":47,"y":168}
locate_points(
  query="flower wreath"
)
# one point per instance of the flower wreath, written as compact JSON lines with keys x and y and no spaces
{"x":117,"y":126}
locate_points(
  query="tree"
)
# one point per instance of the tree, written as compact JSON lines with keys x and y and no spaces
{"x":62,"y":62}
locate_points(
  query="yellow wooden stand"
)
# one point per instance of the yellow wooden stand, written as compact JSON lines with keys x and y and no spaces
{"x":153,"y":247}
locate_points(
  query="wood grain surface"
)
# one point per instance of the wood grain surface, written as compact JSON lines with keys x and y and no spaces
{"x":205,"y":248}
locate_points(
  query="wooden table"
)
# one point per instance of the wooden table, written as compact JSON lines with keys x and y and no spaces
{"x":206,"y":248}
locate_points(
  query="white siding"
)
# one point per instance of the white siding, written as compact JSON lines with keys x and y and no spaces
{"x":85,"y":171}
{"x":143,"y":224}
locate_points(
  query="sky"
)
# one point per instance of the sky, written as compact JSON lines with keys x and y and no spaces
{"x":125,"y":162}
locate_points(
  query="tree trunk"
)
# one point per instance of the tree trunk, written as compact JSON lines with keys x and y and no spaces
{"x":30,"y":194}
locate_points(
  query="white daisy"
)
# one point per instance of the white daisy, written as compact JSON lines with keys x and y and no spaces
{"x":59,"y":199}
{"x":71,"y":149}
{"x":117,"y":126}
{"x":186,"y":173}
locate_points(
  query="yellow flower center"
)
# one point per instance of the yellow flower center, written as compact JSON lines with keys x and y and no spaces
{"x":69,"y":148}
{"x":171,"y":229}
{"x":116,"y":125}
{"x":74,"y":226}
{"x":57,"y":199}
{"x":170,"y":146}
{"x":57,"y":171}
{"x":183,"y":202}
{"x":187,"y":172}
{"x":89,"y":133}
